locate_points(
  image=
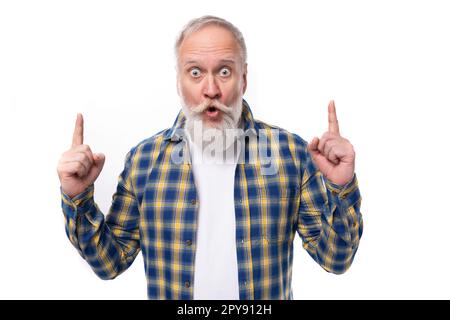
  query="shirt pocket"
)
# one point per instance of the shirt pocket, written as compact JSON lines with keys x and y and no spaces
{"x":278,"y":207}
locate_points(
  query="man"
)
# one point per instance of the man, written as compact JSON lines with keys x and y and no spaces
{"x":210,"y":227}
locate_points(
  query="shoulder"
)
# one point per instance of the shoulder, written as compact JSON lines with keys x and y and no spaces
{"x":292,"y":148}
{"x":147,"y":148}
{"x":286,"y":138}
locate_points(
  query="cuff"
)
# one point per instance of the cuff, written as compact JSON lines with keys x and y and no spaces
{"x":343,"y":196}
{"x":80,"y":203}
{"x":342,"y":192}
{"x":345,"y":217}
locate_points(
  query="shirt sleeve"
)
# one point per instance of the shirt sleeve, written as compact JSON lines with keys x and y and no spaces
{"x":109,"y":245}
{"x":329,"y":221}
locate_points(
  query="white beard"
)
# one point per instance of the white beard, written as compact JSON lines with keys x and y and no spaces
{"x":213,"y":136}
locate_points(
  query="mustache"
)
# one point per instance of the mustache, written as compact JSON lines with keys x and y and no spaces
{"x":211,"y":103}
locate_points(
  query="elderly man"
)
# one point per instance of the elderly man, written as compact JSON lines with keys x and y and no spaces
{"x":216,"y":220}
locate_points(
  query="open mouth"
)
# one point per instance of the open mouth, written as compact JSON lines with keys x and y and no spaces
{"x":212,"y":111}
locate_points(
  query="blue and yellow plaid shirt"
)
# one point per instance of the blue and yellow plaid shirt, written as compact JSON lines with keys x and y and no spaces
{"x":155,"y":206}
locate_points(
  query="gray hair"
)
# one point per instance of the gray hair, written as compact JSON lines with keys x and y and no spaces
{"x":199,"y":23}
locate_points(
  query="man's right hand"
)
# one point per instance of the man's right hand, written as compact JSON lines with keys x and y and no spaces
{"x":78,"y":167}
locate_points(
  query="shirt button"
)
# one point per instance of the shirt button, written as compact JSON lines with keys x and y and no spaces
{"x":240,"y":200}
{"x":189,"y":242}
{"x":193,"y":201}
{"x":242,"y":241}
{"x":187,"y":284}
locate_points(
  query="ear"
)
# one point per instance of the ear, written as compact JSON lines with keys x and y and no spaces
{"x":178,"y":82}
{"x":244,"y":78}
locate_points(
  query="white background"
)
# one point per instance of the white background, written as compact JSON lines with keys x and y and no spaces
{"x":386,"y":64}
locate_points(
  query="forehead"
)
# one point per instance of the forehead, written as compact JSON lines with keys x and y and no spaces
{"x":208,"y":43}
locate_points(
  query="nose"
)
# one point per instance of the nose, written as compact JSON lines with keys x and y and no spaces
{"x":211,"y":90}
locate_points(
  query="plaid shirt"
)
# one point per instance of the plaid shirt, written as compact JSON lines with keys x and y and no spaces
{"x":155,"y":206}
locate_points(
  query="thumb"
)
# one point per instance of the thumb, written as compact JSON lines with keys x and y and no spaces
{"x":313,"y":145}
{"x":99,"y":160}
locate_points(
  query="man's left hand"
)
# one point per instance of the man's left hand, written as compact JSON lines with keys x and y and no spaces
{"x":333,"y":155}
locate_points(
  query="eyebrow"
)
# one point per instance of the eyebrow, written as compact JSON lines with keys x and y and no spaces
{"x":230,"y":61}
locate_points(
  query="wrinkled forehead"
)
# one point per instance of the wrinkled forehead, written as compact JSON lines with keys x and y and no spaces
{"x":208,"y":44}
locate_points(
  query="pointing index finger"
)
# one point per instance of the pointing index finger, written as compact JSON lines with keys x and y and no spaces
{"x":333,"y":125}
{"x":78,"y":131}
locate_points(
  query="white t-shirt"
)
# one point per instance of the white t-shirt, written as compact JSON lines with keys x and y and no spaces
{"x":216,"y":269}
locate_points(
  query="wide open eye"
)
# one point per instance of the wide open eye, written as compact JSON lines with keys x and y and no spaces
{"x":225,"y":72}
{"x":195,"y":72}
